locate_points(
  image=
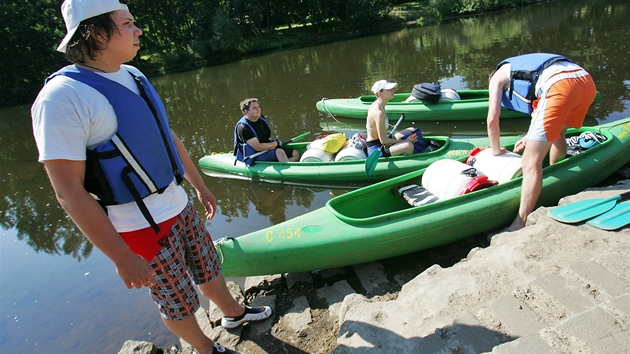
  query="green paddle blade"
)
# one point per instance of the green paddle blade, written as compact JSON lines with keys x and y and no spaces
{"x":616,"y":218}
{"x":585,"y":209}
{"x":371,"y":162}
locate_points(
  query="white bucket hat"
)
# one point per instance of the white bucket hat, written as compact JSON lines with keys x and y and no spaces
{"x":75,"y":11}
{"x":383,"y":85}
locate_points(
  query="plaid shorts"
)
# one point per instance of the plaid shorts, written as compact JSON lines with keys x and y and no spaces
{"x":187,"y":256}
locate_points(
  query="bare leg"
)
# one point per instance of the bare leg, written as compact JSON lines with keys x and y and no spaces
{"x":533,"y":157}
{"x":295,"y":157}
{"x":281,"y":155}
{"x":218,"y":292}
{"x":559,"y":148}
{"x":402,"y":148}
{"x":188,"y":329}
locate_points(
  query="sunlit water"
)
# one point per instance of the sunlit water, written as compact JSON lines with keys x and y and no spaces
{"x":59,"y":295}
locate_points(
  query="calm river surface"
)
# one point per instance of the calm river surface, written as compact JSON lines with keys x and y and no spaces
{"x":60,"y":295}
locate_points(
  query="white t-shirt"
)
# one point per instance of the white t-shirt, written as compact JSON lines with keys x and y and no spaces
{"x":553,"y":69}
{"x":70,"y":116}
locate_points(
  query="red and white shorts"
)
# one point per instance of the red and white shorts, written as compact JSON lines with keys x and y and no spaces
{"x":187,"y":256}
{"x":565,"y":100}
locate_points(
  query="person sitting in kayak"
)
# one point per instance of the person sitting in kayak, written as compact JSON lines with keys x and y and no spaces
{"x":252,"y":134}
{"x":557,"y":94}
{"x":401,"y":143}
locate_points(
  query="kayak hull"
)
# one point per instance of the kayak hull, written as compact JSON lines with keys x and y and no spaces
{"x":348,"y":174}
{"x":472,"y":106}
{"x":373,"y":223}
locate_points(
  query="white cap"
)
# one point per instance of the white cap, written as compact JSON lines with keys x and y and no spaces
{"x":383,"y":85}
{"x":75,"y":11}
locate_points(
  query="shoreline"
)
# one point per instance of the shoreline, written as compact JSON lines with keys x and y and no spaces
{"x":548,"y":287}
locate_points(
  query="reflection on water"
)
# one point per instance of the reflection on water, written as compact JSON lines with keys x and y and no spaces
{"x":61,"y":295}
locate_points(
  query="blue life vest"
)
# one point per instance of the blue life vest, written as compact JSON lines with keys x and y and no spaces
{"x":242,"y":149}
{"x":525,"y":70}
{"x":141,"y":158}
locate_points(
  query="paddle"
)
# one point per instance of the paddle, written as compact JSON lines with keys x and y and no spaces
{"x":586,"y":209}
{"x":297,"y":138}
{"x":616,"y":218}
{"x":372,"y":160}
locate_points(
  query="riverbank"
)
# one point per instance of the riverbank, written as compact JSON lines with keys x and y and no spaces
{"x":550,"y":287}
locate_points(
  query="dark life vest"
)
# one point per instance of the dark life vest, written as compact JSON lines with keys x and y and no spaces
{"x":141,"y":158}
{"x":525,"y":71}
{"x":241,"y":148}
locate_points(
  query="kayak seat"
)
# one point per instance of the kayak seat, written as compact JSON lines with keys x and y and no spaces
{"x":416,"y":195}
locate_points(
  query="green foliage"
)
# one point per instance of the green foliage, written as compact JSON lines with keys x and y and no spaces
{"x":177,"y":34}
{"x":30,"y":32}
{"x":363,"y":14}
{"x":182,"y":34}
{"x":446,"y":8}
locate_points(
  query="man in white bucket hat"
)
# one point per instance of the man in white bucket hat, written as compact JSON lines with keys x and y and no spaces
{"x":100,"y":117}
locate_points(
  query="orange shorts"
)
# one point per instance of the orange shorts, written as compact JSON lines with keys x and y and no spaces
{"x":564,"y":104}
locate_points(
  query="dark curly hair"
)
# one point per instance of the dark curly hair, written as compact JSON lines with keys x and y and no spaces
{"x":83,"y":44}
{"x":247,"y":102}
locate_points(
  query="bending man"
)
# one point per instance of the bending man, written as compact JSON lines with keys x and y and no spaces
{"x":557,"y":93}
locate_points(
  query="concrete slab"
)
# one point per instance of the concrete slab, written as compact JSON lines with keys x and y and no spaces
{"x":559,"y":288}
{"x":530,"y":344}
{"x":517,"y":319}
{"x":595,"y":275}
{"x":601,"y":332}
{"x":468,"y":335}
{"x":622,"y":304}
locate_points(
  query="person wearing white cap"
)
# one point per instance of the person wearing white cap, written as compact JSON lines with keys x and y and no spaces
{"x":377,"y":122}
{"x":100,"y":117}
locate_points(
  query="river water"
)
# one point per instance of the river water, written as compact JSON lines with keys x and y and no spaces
{"x":60,"y":295}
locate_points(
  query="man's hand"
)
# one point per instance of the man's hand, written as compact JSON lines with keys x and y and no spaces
{"x":135,"y":272}
{"x":209,"y":202}
{"x":278,"y":141}
{"x":520,"y":145}
{"x":498,"y":151}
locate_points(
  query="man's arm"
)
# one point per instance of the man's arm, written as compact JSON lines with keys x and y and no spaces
{"x":193,"y":176}
{"x":253,"y":142}
{"x":498,"y":82}
{"x":67,"y":179}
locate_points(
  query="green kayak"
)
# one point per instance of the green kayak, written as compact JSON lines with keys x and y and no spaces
{"x":472,"y":105}
{"x":375,"y":222}
{"x":347,"y":173}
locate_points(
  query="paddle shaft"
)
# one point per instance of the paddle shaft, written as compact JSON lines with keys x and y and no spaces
{"x":624,"y":196}
{"x":402,"y":117}
{"x":254,"y":155}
